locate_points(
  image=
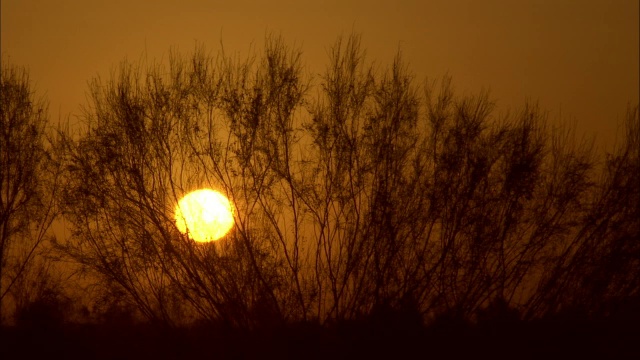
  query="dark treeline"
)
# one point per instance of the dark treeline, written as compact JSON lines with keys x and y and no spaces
{"x":364,"y":199}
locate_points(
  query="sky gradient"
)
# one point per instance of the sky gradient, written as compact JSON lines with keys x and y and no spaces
{"x":577,"y":58}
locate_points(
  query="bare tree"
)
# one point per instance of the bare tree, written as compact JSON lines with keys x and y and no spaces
{"x":28,"y":179}
{"x":596,"y":271}
{"x":155,"y":134}
{"x":372,"y":194}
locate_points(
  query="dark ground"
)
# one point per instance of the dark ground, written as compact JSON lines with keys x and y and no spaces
{"x":559,"y":338}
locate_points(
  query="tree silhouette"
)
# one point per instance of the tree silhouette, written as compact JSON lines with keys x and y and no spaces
{"x":373,"y":195}
{"x":596,"y":271}
{"x":28,"y":184}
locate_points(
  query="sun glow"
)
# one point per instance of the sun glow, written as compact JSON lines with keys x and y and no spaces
{"x":204,"y":215}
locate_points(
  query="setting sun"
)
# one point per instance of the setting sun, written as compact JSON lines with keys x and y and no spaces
{"x":204,"y":215}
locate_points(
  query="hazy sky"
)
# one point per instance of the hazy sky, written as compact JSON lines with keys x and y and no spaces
{"x":580,"y":57}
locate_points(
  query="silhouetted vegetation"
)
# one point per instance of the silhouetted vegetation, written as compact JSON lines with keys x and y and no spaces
{"x":374,"y":215}
{"x":28,"y":186}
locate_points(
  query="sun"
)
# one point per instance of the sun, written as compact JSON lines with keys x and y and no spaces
{"x":204,"y":215}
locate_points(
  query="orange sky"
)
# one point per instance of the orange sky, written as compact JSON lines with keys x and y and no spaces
{"x":580,"y":57}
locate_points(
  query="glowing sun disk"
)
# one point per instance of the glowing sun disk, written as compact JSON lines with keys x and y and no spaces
{"x":204,"y":215}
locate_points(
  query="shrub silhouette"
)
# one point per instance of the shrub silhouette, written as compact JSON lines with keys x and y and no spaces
{"x":29,"y":182}
{"x":354,"y":191}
